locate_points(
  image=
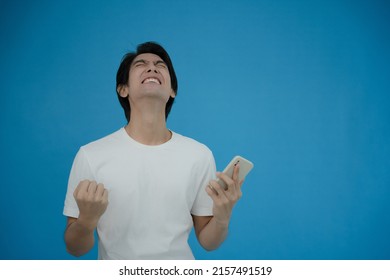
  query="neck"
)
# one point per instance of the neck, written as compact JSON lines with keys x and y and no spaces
{"x":148,"y":127}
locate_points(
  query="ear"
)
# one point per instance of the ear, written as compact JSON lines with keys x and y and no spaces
{"x":123,"y":90}
{"x":173,"y":94}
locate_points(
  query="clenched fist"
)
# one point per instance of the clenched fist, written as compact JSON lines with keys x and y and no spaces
{"x":92,"y":200}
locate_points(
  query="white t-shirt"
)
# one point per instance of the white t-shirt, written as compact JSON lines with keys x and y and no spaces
{"x":153,"y":190}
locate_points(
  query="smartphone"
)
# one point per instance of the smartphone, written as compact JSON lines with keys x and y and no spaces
{"x":245,"y":167}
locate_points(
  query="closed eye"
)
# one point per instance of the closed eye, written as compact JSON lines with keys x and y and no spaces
{"x":139,"y":62}
{"x":161,"y":64}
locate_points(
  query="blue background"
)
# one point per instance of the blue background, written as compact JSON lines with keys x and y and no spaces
{"x":301,"y":88}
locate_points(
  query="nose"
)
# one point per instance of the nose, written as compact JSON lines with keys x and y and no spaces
{"x":152,"y":68}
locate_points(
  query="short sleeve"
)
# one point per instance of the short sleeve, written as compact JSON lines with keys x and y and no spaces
{"x":203,"y":205}
{"x":80,"y":170}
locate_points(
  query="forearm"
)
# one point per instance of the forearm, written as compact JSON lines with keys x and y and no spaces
{"x":79,"y":238}
{"x":213,"y":234}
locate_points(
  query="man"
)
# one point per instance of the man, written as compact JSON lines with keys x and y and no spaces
{"x":144,"y":187}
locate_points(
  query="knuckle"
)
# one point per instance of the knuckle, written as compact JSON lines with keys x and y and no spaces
{"x":83,"y":182}
{"x":77,"y":194}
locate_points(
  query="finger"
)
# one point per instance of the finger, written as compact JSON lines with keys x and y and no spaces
{"x":211,"y":192}
{"x":222,"y":183}
{"x":217,"y":194}
{"x":219,"y":189}
{"x":99,"y":191}
{"x":236,"y":172}
{"x":228,"y":181}
{"x":81,"y":188}
{"x":105,"y":196}
{"x":211,"y":188}
{"x":92,"y":189}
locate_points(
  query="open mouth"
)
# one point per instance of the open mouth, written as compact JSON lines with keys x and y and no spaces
{"x":151,"y":80}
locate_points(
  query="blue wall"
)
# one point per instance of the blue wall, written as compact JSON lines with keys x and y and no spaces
{"x":299,"y":87}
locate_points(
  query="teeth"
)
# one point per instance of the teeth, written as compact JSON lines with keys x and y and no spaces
{"x":151,"y":80}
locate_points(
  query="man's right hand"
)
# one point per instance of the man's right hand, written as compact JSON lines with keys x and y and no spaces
{"x":92,"y":200}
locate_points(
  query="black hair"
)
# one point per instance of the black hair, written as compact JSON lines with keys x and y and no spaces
{"x":122,"y":76}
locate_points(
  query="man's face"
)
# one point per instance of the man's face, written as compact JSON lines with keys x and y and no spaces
{"x":149,"y":77}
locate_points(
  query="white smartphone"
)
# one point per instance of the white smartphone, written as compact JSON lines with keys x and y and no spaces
{"x":245,"y":167}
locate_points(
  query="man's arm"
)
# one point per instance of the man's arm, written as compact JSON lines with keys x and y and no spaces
{"x":210,"y":235}
{"x":79,"y":239}
{"x":212,"y":231}
{"x":92,"y":200}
